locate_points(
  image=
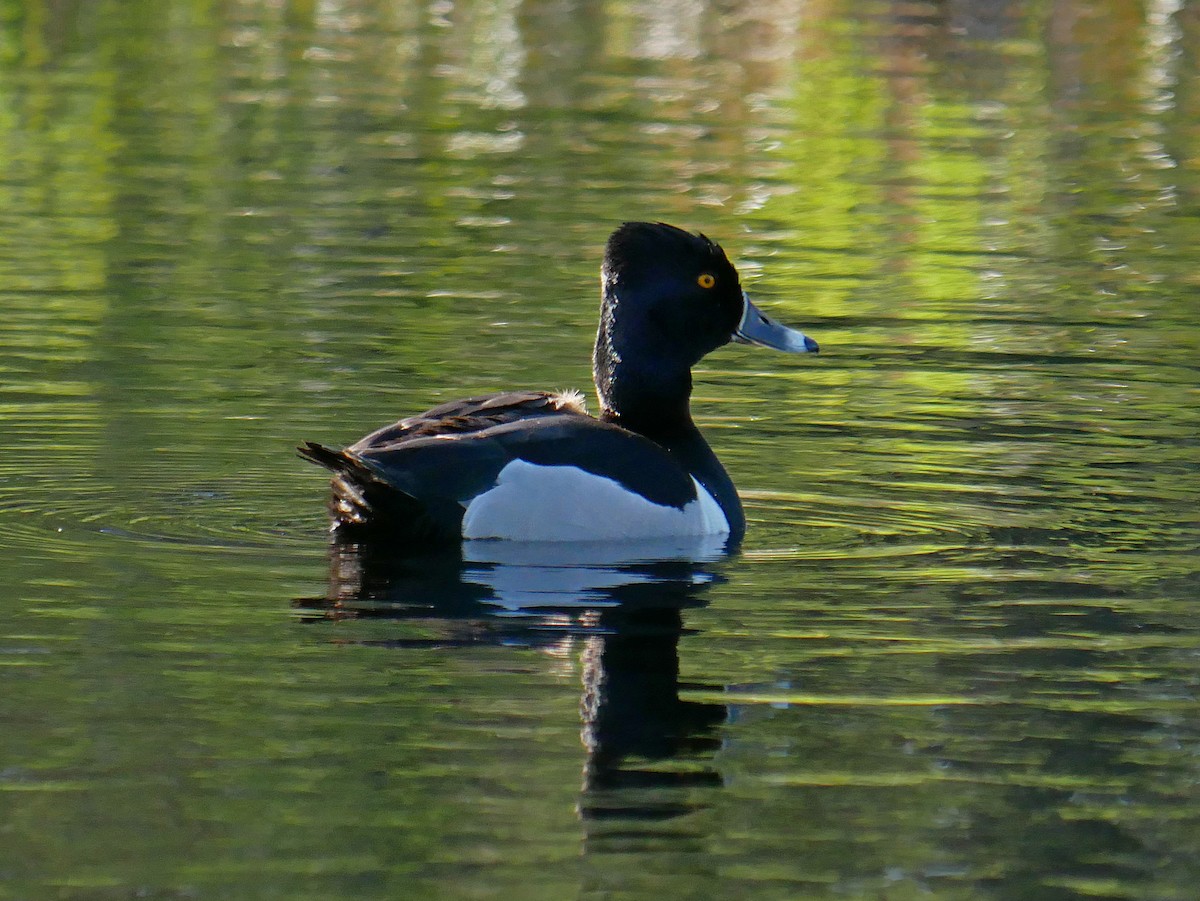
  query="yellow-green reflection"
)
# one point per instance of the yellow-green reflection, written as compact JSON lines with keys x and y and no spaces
{"x":956,"y":657}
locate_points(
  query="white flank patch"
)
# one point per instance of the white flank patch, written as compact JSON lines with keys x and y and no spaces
{"x":565,"y":503}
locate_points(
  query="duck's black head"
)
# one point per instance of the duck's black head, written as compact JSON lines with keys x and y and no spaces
{"x":669,"y":298}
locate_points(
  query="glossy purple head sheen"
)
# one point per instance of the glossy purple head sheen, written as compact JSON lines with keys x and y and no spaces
{"x":669,"y":298}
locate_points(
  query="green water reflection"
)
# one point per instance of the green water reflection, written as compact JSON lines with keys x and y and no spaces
{"x":958,"y":656}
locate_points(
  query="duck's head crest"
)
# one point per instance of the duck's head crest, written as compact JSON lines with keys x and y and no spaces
{"x":674,"y":292}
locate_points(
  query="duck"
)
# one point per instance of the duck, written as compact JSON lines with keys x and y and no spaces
{"x":535,"y":466}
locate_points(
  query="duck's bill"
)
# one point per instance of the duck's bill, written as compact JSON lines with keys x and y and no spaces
{"x":755,"y":328}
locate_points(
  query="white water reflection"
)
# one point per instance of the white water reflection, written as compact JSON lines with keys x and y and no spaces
{"x":530,"y":575}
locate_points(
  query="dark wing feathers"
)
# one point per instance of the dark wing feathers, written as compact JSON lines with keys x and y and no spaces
{"x":473,"y":414}
{"x":371,"y":496}
{"x":415,"y":477}
{"x":462,"y":466}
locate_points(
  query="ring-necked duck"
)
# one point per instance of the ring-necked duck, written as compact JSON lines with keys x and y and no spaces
{"x":534,"y":466}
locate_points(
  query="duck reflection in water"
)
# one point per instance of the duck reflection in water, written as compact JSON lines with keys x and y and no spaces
{"x":623,"y":603}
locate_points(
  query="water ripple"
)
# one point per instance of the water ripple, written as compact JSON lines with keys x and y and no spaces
{"x":227,"y":514}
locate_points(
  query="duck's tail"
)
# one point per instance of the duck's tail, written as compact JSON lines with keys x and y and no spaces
{"x":362,"y":503}
{"x":331,"y":459}
{"x":350,"y":503}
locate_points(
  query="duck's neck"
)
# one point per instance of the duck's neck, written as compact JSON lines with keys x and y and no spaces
{"x":655,"y":402}
{"x":648,"y":404}
{"x":650,"y":395}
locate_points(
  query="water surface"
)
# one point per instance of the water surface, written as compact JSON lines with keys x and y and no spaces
{"x":958,"y":654}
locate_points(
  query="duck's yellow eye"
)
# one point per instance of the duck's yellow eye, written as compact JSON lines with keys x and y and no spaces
{"x":706,"y":280}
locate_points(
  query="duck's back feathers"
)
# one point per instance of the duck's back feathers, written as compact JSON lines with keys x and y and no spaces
{"x":474,"y":414}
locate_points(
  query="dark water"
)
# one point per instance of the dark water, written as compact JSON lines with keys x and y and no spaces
{"x":959,"y":656}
